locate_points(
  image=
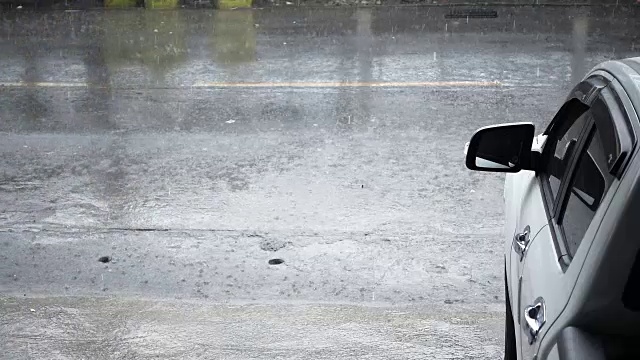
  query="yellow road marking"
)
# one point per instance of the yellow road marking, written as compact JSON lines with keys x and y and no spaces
{"x":42,"y":84}
{"x":347,"y":84}
{"x":303,"y":84}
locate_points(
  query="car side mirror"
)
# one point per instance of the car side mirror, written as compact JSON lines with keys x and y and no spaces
{"x":501,"y":148}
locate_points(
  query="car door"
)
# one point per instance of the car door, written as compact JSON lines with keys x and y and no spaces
{"x":530,"y":208}
{"x":525,"y":216}
{"x":574,"y":201}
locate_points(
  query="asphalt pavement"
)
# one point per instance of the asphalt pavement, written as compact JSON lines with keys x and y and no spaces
{"x":276,"y":183}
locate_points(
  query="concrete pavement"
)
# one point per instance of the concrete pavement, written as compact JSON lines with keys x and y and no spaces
{"x":70,"y":328}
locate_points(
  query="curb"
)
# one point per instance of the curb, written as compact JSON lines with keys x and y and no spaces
{"x":287,"y":4}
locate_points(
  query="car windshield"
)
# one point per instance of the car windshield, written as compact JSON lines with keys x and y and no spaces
{"x":238,"y":179}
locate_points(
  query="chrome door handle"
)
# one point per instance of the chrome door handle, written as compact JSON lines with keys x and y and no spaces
{"x":520,"y":241}
{"x":534,"y":318}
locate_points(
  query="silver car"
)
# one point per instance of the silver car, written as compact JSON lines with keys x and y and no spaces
{"x":572,"y":231}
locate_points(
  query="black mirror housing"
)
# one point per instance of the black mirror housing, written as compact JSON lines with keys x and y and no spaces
{"x":501,"y":148}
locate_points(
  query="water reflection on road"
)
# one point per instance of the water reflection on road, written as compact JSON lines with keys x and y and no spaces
{"x":184,"y":48}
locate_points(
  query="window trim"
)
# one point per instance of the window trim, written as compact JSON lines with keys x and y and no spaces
{"x":563,"y":193}
{"x":560,"y":203}
{"x":582,"y":94}
{"x":621,"y":126}
{"x":566,"y":192}
{"x":624,"y":131}
{"x":551,"y":205}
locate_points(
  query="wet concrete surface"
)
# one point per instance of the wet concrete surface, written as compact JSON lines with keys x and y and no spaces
{"x":77,"y":328}
{"x":193,"y":147}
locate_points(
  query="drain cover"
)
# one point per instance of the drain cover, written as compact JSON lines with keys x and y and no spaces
{"x":472,"y":13}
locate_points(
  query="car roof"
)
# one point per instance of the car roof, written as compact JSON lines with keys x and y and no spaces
{"x":627,"y":72}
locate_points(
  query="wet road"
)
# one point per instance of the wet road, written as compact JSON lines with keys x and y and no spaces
{"x":192,"y":147}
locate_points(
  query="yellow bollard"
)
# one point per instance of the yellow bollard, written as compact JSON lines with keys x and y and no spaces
{"x":234,"y":37}
{"x":154,"y":40}
{"x":161,"y":4}
{"x":233,"y":4}
{"x":119,"y":4}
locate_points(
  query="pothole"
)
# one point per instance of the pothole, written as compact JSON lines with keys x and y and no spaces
{"x":276,"y":261}
{"x":104,"y":259}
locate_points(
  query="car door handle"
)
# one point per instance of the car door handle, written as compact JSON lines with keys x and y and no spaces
{"x":534,"y":318}
{"x":521,"y":240}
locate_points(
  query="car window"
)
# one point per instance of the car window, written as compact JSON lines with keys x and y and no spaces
{"x":561,"y":151}
{"x":589,"y":184}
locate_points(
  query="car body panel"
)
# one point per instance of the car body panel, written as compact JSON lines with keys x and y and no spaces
{"x":544,"y":277}
{"x":541,"y":274}
{"x":551,"y":282}
{"x":521,"y":188}
{"x":588,"y":260}
{"x":531,"y":214}
{"x":564,"y":283}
